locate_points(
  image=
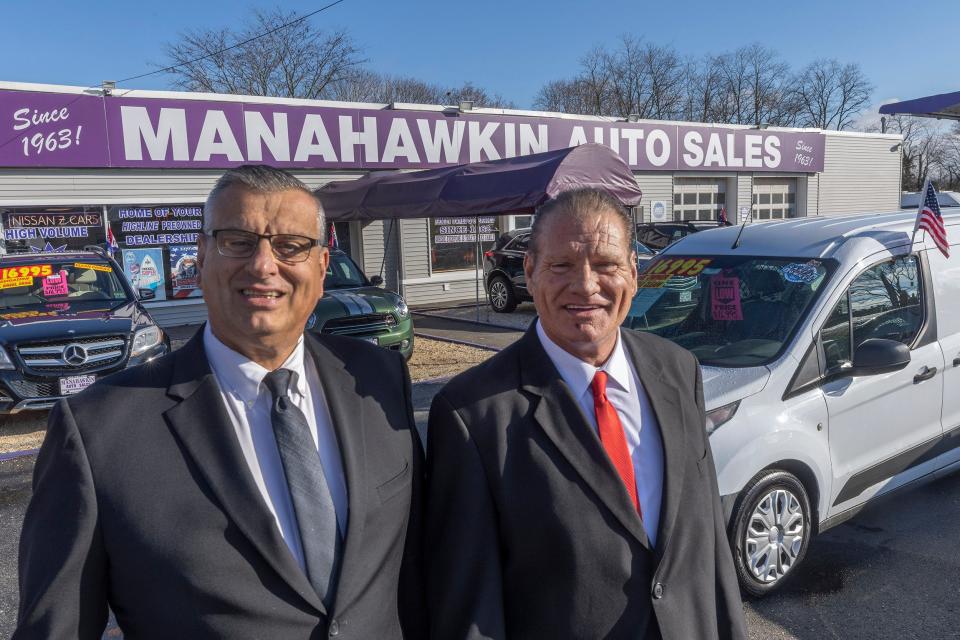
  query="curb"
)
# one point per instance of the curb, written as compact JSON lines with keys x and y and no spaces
{"x":13,"y":455}
{"x":466,"y":343}
{"x":465,"y":321}
{"x":436,"y":380}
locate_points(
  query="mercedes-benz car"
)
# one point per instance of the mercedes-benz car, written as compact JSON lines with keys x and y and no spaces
{"x":354,"y":305}
{"x":66,"y":320}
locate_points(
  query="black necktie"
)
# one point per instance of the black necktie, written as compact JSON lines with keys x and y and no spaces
{"x":312,"y":501}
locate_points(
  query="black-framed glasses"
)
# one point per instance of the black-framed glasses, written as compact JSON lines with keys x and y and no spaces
{"x":238,"y":243}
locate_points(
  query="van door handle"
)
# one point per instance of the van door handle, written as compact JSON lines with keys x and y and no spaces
{"x":925,"y":374}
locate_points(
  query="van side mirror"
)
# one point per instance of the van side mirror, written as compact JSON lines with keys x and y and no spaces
{"x":147,"y":294}
{"x":376,"y":281}
{"x":879,"y":355}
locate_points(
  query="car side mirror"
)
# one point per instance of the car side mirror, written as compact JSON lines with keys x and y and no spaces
{"x":376,"y":281}
{"x":879,"y":355}
{"x":147,"y":294}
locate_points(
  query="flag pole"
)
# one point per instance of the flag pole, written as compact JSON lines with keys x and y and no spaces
{"x":916,"y":222}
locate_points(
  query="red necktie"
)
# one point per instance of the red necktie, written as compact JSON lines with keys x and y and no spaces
{"x":612,"y":437}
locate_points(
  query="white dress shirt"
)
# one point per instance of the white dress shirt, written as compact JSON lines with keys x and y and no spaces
{"x":248,"y":404}
{"x":636,"y":415}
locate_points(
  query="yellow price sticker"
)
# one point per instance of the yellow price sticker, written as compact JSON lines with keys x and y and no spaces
{"x":95,"y":267}
{"x":10,"y":283}
{"x":29,"y":271}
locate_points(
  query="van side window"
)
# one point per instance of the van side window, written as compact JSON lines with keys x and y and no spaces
{"x":836,"y":337}
{"x":883,"y":302}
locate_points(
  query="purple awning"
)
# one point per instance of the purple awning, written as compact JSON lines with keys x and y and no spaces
{"x":480,"y":188}
{"x":944,"y":105}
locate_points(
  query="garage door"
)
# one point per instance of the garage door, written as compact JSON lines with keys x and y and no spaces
{"x":774,"y":198}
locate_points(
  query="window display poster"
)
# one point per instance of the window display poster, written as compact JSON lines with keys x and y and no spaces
{"x":184,"y":272}
{"x":143,"y":269}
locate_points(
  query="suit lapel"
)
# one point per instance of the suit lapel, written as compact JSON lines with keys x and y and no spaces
{"x":666,"y":403}
{"x":561,"y":418}
{"x":201,"y":423}
{"x":347,"y":415}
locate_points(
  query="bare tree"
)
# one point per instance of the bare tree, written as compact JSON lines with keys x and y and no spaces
{"x":831,"y":95}
{"x":297,"y":61}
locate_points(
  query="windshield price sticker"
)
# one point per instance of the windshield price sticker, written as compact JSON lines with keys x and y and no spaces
{"x":32,"y":271}
{"x":11,"y":283}
{"x":95,"y":267}
{"x":725,"y":298}
{"x":660,"y":270}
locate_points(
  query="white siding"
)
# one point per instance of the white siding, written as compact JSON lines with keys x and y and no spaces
{"x":416,"y":248}
{"x":742,"y":198}
{"x":432,"y":293}
{"x":25,"y":187}
{"x":178,"y":313}
{"x":860,"y":174}
{"x":655,"y":186}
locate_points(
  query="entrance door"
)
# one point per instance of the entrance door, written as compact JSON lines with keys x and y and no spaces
{"x":881,"y":425}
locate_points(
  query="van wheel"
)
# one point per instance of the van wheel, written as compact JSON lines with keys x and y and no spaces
{"x":771,"y":530}
{"x":502,"y":298}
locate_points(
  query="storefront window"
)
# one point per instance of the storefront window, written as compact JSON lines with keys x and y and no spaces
{"x":158,"y":247}
{"x":453,"y":241}
{"x":51,"y":228}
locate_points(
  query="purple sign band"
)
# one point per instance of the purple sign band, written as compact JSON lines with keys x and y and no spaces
{"x":68,"y":130}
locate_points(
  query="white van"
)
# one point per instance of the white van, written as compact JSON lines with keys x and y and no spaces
{"x":826,"y":346}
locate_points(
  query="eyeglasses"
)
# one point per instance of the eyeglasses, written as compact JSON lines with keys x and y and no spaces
{"x":237,"y":243}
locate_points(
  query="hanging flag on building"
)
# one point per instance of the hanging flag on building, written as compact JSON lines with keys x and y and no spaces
{"x":112,"y":242}
{"x":332,"y":237}
{"x":930,"y":220}
{"x":722,"y":218}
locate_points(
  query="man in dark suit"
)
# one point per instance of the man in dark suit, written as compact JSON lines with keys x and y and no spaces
{"x":257,"y":483}
{"x":571,"y":490}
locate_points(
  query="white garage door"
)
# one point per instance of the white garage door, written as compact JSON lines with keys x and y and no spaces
{"x":698,"y":198}
{"x":774,"y":198}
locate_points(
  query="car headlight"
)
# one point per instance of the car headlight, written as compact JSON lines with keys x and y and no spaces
{"x":146,"y":339}
{"x":5,"y":361}
{"x":720,"y":416}
{"x":402,"y":309}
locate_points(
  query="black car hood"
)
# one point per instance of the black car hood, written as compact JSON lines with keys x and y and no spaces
{"x":71,"y":321}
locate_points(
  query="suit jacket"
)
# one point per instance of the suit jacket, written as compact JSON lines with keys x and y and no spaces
{"x":143,"y":501}
{"x":530,"y":531}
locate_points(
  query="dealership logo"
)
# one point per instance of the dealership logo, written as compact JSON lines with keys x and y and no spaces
{"x":74,"y":355}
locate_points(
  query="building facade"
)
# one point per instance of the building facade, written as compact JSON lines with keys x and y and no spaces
{"x":80,"y":166}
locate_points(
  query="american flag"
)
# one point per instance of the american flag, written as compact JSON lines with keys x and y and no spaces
{"x":111,"y":242}
{"x":930,"y":220}
{"x":332,"y":241}
{"x":722,"y":218}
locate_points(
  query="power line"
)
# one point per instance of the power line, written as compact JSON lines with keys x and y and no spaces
{"x":234,"y":46}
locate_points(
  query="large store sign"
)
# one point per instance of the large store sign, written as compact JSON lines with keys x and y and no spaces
{"x":68,"y":130}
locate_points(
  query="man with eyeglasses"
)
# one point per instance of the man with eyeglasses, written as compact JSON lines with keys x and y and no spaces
{"x":256,"y":483}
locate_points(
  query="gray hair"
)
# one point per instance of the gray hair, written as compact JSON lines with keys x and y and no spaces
{"x":264,"y":179}
{"x":579,"y":203}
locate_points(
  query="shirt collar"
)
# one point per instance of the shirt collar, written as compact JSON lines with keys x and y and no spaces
{"x":243,"y":377}
{"x":579,"y":374}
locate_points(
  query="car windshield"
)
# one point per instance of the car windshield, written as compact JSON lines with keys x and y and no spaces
{"x":730,"y":311}
{"x":342,"y":273}
{"x":58,"y":282}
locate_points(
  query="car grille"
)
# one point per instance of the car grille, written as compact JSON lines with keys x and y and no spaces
{"x":366,"y":325}
{"x":31,"y":389}
{"x":50,"y":358}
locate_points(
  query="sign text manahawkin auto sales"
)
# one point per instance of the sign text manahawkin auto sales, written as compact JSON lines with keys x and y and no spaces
{"x":76,"y":130}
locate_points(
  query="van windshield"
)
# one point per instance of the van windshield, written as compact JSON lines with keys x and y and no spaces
{"x":730,"y":311}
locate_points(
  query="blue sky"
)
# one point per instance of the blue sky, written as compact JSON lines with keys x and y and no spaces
{"x":511,"y":48}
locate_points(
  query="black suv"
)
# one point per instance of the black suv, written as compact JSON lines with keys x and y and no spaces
{"x":503,"y":269}
{"x":658,"y":235}
{"x":67,"y":319}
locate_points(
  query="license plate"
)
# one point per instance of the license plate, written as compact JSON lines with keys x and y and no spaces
{"x":373,"y":339}
{"x":75,"y":384}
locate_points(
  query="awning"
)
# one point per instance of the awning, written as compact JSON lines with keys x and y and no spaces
{"x":944,"y":105}
{"x":480,"y":188}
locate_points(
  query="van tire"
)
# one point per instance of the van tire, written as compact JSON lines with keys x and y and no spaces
{"x":771,"y":515}
{"x":502,"y":297}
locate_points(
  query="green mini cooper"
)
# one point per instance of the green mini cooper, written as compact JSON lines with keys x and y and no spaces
{"x":353,"y":305}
